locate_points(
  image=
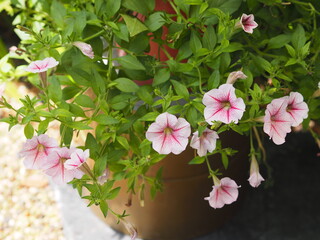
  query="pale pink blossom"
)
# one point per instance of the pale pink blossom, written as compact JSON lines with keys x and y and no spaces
{"x":56,"y":169}
{"x":233,"y":76}
{"x":297,"y":108}
{"x":169,"y":134}
{"x":247,"y":23}
{"x":255,"y":178}
{"x":224,"y":192}
{"x":205,"y":143}
{"x":77,"y":158}
{"x":85,"y":48}
{"x":277,"y":121}
{"x":42,"y":65}
{"x":223,"y":105}
{"x":36,"y":150}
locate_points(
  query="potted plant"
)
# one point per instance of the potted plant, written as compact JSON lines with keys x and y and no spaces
{"x":221,"y":78}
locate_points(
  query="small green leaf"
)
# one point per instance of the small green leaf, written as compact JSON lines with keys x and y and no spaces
{"x":112,"y":194}
{"x":197,"y":160}
{"x":104,"y":208}
{"x":225,"y":160}
{"x":54,"y":89}
{"x":209,"y":39}
{"x":149,"y":117}
{"x":298,"y":37}
{"x":161,"y":76}
{"x":28,"y":131}
{"x":134,"y":25}
{"x":279,"y":41}
{"x":214,"y":80}
{"x":181,"y":89}
{"x":105,"y":120}
{"x":195,"y":43}
{"x":100,"y":165}
{"x":130,"y":62}
{"x":155,"y":21}
{"x":123,"y":141}
{"x":85,"y":101}
{"x":78,"y":125}
{"x":126,"y":85}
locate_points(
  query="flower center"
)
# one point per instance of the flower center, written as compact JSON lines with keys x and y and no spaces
{"x":167,"y":131}
{"x":226,"y":104}
{"x":62,"y":160}
{"x":41,"y":148}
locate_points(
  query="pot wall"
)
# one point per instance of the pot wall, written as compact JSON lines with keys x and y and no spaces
{"x":180,"y":211}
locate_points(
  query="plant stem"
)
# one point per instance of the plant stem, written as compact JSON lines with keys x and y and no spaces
{"x":94,"y":36}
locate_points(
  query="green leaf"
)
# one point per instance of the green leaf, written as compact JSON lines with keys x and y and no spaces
{"x":100,"y":165}
{"x":105,"y":120}
{"x":149,"y":117}
{"x":126,"y":85}
{"x":140,"y":6}
{"x":161,"y":76}
{"x":98,"y":83}
{"x":197,"y":160}
{"x":155,"y":21}
{"x":291,"y":50}
{"x":85,"y":101}
{"x":43,"y":126}
{"x":91,"y":144}
{"x":112,"y":7}
{"x":209,"y":39}
{"x":28,"y":131}
{"x":214,"y":80}
{"x":298,"y":37}
{"x":60,"y":112}
{"x":195,"y":43}
{"x":78,"y":125}
{"x":144,"y":94}
{"x":112,"y":194}
{"x":181,"y":89}
{"x":225,"y":160}
{"x":123,"y":141}
{"x":193,"y":2}
{"x":130,"y":62}
{"x":104,"y":208}
{"x":134,"y":25}
{"x":58,"y":12}
{"x":54,"y":89}
{"x":279,"y":41}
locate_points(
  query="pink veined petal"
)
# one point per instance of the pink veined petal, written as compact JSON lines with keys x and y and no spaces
{"x":42,"y":65}
{"x":182,"y":128}
{"x":297,"y":108}
{"x":216,"y":114}
{"x":85,"y":48}
{"x":77,"y":158}
{"x":166,"y":120}
{"x":255,"y":179}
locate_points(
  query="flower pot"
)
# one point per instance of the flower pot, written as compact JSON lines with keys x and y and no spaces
{"x":180,"y":211}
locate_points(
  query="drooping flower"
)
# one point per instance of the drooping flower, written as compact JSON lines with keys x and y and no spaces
{"x":297,"y":108}
{"x":169,"y":134}
{"x":85,"y":48}
{"x":247,"y":23}
{"x":36,"y":150}
{"x":223,"y":105}
{"x":255,"y":178}
{"x":42,"y":65}
{"x":56,"y":169}
{"x":224,"y":192}
{"x":77,"y":158}
{"x":277,"y":121}
{"x":233,"y":76}
{"x":205,"y":143}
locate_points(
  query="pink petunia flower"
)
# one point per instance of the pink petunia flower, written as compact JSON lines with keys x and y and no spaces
{"x":42,"y":65}
{"x":247,"y":23}
{"x":233,"y":76}
{"x":297,"y":108}
{"x":56,"y":169}
{"x":224,"y":192}
{"x":223,"y":105}
{"x":77,"y":158}
{"x":85,"y":48}
{"x":36,"y":150}
{"x":205,"y":143}
{"x":277,"y":121}
{"x":255,"y":178}
{"x":169,"y":134}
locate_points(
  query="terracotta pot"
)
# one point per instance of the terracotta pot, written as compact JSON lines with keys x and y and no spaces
{"x":180,"y":211}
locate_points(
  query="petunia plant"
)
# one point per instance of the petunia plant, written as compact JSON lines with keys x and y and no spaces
{"x":140,"y":82}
